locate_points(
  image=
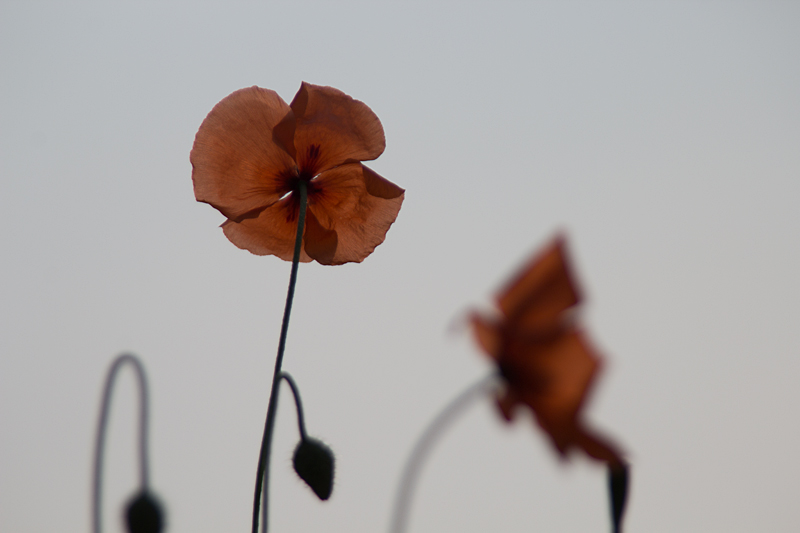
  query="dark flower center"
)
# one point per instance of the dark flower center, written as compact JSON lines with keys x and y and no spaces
{"x":309,"y":163}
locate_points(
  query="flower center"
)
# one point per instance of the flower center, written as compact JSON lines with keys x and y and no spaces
{"x":309,"y":163}
{"x":308,"y":169}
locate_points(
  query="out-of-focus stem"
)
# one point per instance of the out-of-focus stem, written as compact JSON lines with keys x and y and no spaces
{"x":101,"y":434}
{"x":405,"y":489}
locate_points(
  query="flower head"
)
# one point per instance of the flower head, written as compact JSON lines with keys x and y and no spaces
{"x":253,"y":150}
{"x":546,"y":361}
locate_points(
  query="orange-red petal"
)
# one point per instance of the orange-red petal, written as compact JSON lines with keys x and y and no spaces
{"x":547,"y":363}
{"x":331,"y":128}
{"x":358,"y":205}
{"x":237,"y":165}
{"x":319,"y":243}
{"x":272,"y":232}
{"x":554,"y":380}
{"x":539,"y":294}
{"x":563,"y":372}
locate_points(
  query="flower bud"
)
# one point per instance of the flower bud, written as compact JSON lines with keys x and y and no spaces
{"x":144,"y":514}
{"x":313,"y":462}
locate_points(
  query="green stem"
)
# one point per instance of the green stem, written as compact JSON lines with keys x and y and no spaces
{"x":402,"y":502}
{"x":262,"y":475}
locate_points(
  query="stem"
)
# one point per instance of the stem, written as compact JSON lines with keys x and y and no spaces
{"x":262,"y":475}
{"x":298,"y":403}
{"x":402,"y":502}
{"x":618,"y":478}
{"x":101,"y":433}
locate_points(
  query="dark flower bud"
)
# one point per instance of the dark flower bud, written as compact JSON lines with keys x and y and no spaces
{"x":144,"y":514}
{"x":313,"y":462}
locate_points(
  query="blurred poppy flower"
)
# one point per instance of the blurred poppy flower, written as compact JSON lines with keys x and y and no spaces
{"x":546,"y":361}
{"x":252,"y":151}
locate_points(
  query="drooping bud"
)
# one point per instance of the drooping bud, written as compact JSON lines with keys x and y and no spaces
{"x":313,"y":462}
{"x":144,"y":514}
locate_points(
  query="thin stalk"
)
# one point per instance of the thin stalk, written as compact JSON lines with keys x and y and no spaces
{"x":298,"y":403}
{"x":405,"y":489}
{"x":101,"y":434}
{"x":262,"y":475}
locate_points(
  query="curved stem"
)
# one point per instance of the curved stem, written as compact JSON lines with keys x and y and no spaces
{"x":262,"y":474}
{"x":298,"y":403}
{"x":405,"y":489}
{"x":101,"y":433}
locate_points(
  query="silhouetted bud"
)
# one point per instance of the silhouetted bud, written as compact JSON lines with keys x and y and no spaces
{"x":144,"y":514}
{"x":313,"y":462}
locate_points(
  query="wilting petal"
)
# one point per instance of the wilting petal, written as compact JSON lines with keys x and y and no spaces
{"x":542,"y":291}
{"x":546,"y":362}
{"x":554,"y":380}
{"x":332,"y":128}
{"x":237,"y":166}
{"x":566,"y":369}
{"x":359,"y":205}
{"x":272,"y":232}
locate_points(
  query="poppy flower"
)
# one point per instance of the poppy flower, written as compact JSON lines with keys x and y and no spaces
{"x":546,"y":361}
{"x":253,"y":150}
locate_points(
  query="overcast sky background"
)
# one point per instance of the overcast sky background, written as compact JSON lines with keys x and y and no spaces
{"x":662,"y":137}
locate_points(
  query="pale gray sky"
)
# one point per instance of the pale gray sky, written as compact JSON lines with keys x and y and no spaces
{"x":663,"y":137}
